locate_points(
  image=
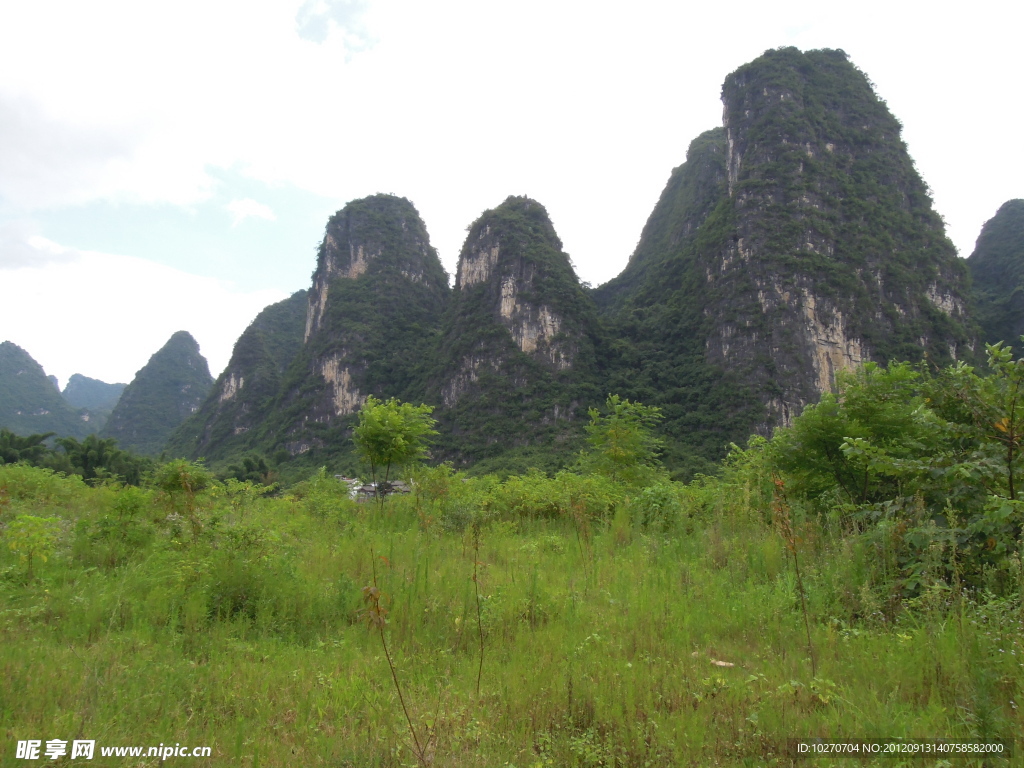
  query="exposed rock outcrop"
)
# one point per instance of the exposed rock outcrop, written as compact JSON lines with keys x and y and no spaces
{"x":795,"y":243}
{"x":372,"y":318}
{"x":832,"y":228}
{"x":518,"y":348}
{"x":243,"y":394}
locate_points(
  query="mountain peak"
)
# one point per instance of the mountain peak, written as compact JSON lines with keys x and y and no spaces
{"x":997,"y":268}
{"x":164,"y":392}
{"x":29,"y":402}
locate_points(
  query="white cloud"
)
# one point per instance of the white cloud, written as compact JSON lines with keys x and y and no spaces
{"x":246,"y":208}
{"x":21,"y":246}
{"x":317,"y":20}
{"x":457,"y":104}
{"x":47,"y":161}
{"x":104,"y":315}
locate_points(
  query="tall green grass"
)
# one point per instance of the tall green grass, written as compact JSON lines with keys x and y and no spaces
{"x":603,"y":611}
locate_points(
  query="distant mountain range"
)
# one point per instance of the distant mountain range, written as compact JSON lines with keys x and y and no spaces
{"x":141,"y":416}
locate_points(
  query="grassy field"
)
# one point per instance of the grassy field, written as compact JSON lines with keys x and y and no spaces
{"x":522,"y":634}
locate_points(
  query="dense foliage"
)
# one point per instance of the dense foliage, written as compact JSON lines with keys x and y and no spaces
{"x":165,"y":391}
{"x":997,"y":269}
{"x":245,"y":391}
{"x":94,"y":459}
{"x":497,"y":399}
{"x":30,"y":403}
{"x":933,"y":464}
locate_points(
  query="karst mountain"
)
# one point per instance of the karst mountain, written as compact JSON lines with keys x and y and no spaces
{"x":795,"y":241}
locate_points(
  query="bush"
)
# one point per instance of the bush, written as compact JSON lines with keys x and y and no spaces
{"x":657,"y":508}
{"x":42,"y":486}
{"x":115,"y":536}
{"x":564,"y":496}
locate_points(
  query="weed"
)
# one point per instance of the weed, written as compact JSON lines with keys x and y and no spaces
{"x":376,"y":618}
{"x":784,"y":524}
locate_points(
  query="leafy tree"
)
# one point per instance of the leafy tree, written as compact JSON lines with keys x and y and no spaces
{"x":252,"y":469}
{"x":985,"y":418}
{"x":925,"y":464}
{"x":883,"y":408}
{"x":988,"y":412}
{"x":392,"y":434}
{"x":96,"y":458}
{"x":623,"y":444}
{"x":182,"y":481}
{"x":32,"y":537}
{"x":14,"y":448}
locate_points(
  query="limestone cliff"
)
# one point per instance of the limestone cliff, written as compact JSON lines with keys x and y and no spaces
{"x":796,"y":242}
{"x":374,"y":307}
{"x":834,"y":254}
{"x":518,"y":349}
{"x":245,"y":391}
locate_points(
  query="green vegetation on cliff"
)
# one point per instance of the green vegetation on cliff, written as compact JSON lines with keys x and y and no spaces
{"x":374,"y":313}
{"x":517,"y":367}
{"x":30,"y":404}
{"x":244,"y":393}
{"x":164,"y":392}
{"x":827,"y":195}
{"x":658,"y":323}
{"x":794,"y":243}
{"x":997,"y":268}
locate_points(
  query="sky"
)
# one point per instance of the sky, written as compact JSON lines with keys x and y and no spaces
{"x":171,"y":166}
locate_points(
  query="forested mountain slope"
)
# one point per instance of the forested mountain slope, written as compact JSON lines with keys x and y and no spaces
{"x":165,"y":391}
{"x":997,"y":268}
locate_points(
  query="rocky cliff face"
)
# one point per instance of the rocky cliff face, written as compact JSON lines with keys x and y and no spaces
{"x":166,"y":391}
{"x":657,"y":312}
{"x":834,"y":255}
{"x":245,"y":391}
{"x":997,"y":269}
{"x":795,"y":243}
{"x":375,"y":306}
{"x":517,"y":351}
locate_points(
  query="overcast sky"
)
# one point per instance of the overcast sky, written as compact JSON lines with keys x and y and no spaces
{"x":171,"y":166}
